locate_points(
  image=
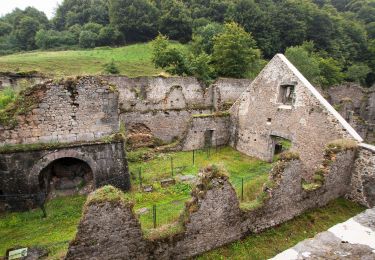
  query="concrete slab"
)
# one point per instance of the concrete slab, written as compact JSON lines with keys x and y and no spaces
{"x":353,"y":239}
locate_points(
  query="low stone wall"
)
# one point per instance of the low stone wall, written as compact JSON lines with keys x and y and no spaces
{"x":20,"y":171}
{"x":363,"y":177}
{"x":214,"y":216}
{"x":207,"y":130}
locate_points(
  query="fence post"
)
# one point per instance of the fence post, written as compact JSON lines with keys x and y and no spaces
{"x":193,"y":157}
{"x":241,"y":189}
{"x":140,"y":177}
{"x":172,"y":166}
{"x":154,"y":215}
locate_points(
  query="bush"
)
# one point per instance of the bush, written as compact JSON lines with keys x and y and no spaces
{"x":87,"y":39}
{"x":111,"y":68}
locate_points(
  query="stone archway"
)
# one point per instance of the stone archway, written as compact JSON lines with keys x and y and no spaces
{"x":66,"y":176}
{"x":47,"y":162}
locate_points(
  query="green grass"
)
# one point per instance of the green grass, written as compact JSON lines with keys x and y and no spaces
{"x":275,"y":240}
{"x":132,"y":60}
{"x":54,"y":232}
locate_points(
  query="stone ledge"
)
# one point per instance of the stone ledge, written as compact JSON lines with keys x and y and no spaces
{"x":16,"y":148}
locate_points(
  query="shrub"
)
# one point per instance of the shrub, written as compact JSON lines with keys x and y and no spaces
{"x":111,"y":68}
{"x":87,"y":39}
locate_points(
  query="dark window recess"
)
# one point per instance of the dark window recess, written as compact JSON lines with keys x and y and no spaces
{"x":287,"y":94}
{"x":208,"y":135}
{"x":269,"y":120}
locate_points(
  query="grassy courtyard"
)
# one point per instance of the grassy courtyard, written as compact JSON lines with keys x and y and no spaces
{"x":132,"y":60}
{"x":55,"y":232}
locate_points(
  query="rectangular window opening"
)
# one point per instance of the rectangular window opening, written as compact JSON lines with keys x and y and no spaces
{"x":287,"y":94}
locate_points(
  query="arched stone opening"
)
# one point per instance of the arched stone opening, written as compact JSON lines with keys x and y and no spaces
{"x":66,"y":176}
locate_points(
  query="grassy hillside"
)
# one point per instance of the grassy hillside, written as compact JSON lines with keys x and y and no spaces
{"x":133,"y":60}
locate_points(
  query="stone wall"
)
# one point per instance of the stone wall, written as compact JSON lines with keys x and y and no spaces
{"x":357,"y":106}
{"x":166,"y":105}
{"x":82,"y":109}
{"x":20,"y":171}
{"x":308,"y":121}
{"x":214,"y":216}
{"x":363,"y":177}
{"x":19,"y":80}
{"x":207,"y":130}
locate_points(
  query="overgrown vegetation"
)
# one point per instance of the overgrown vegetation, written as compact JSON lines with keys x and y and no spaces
{"x":330,"y":152}
{"x":7,"y":96}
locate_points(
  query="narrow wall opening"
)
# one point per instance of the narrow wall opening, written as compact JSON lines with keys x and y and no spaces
{"x":279,"y":145}
{"x":286,"y":94}
{"x":66,"y":176}
{"x":208,"y":138}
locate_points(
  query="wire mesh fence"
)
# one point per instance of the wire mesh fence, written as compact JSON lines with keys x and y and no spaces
{"x":161,"y":215}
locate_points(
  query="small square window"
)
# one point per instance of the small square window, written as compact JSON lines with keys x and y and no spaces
{"x":287,"y":94}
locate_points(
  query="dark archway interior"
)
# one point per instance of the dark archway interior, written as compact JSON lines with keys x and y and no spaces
{"x":280,"y":145}
{"x":68,"y":175}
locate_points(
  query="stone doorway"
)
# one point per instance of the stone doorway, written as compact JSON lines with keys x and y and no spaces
{"x":66,"y":176}
{"x":208,"y":136}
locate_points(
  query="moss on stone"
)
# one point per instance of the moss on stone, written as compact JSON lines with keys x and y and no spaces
{"x":14,"y":148}
{"x":340,"y":145}
{"x":24,"y":103}
{"x":217,"y":114}
{"x":110,"y":194}
{"x":289,"y":156}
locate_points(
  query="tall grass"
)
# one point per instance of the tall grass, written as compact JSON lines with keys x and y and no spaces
{"x":7,"y":96}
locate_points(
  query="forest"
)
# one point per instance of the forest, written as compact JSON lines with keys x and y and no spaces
{"x":328,"y":40}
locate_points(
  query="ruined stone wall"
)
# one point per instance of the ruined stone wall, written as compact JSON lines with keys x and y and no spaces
{"x":363,"y":177}
{"x":309,"y":122}
{"x":357,"y":106}
{"x":19,"y":80}
{"x":20,"y":171}
{"x":214,"y":216}
{"x":166,"y":105}
{"x":227,"y":91}
{"x":200,"y":126}
{"x":84,"y":109}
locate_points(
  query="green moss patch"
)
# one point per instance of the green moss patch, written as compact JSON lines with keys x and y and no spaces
{"x":110,"y":194}
{"x":217,"y":114}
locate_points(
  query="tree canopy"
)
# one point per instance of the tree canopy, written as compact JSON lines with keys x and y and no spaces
{"x":342,"y":31}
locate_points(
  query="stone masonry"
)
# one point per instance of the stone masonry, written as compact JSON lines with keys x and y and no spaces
{"x":83,"y":109}
{"x":280,"y":102}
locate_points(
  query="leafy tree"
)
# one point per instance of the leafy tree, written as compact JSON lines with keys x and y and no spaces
{"x":307,"y":64}
{"x":46,"y":39}
{"x":330,"y":72}
{"x":93,"y":27}
{"x":203,"y":38}
{"x":201,"y":68}
{"x":25,"y":32}
{"x":87,"y":39}
{"x":109,"y":35}
{"x":234,"y":51}
{"x":169,"y":58}
{"x":137,"y":20}
{"x":358,"y":73}
{"x":5,"y":28}
{"x":175,"y":21}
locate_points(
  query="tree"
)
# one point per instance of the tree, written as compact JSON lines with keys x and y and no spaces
{"x":234,"y":51}
{"x":136,"y":20}
{"x":175,"y":21}
{"x":5,"y":28}
{"x":109,"y":35}
{"x":358,"y":73}
{"x":307,"y":64}
{"x":87,"y":39}
{"x":330,"y":72}
{"x":167,"y":57}
{"x":25,"y":33}
{"x":203,"y":38}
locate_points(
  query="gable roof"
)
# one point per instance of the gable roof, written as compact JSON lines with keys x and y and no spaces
{"x":321,"y":99}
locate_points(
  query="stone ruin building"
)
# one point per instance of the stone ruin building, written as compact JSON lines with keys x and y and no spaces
{"x":79,"y":124}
